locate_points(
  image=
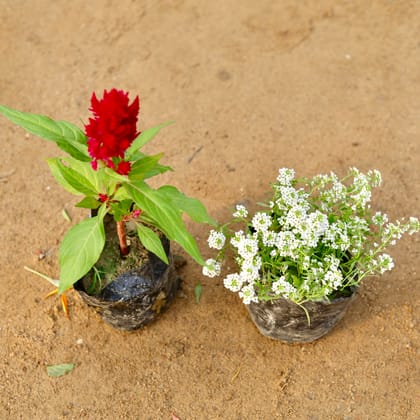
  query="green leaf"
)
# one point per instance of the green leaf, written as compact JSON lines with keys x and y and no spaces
{"x":121,"y":209}
{"x":98,"y":178}
{"x":122,"y":194}
{"x":157,"y":170}
{"x":144,"y":138}
{"x":67,"y":136}
{"x":56,"y":171}
{"x":59,"y":370}
{"x":111,"y":174}
{"x":66,"y":215}
{"x":136,"y":156}
{"x":72,"y":178}
{"x":198,"y":290}
{"x":160,"y":210}
{"x":143,"y":166}
{"x":88,"y":203}
{"x":193,"y":207}
{"x":80,"y":249}
{"x":152,"y":242}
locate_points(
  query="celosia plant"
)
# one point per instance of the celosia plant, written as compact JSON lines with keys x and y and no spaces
{"x":316,"y":239}
{"x":106,"y":166}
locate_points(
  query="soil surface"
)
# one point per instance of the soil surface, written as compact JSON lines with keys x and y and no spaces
{"x":252,"y":86}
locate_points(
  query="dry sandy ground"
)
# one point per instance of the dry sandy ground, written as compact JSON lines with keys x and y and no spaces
{"x":253,"y":86}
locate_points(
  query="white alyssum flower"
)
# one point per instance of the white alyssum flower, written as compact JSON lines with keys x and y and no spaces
{"x":338,"y":192}
{"x":236,"y":239}
{"x":333,"y":278}
{"x":290,"y":197}
{"x":247,"y":294}
{"x":306,"y":263}
{"x":379,"y":218}
{"x":241,"y":212}
{"x":296,"y":216}
{"x":269,"y":238}
{"x":233,"y":282}
{"x":385,"y":263}
{"x":285,"y":176}
{"x":335,"y":194}
{"x":311,"y":228}
{"x":322,"y":180}
{"x":216,"y":240}
{"x":261,"y":222}
{"x":414,"y":225}
{"x":332,"y":262}
{"x":375,"y":177}
{"x":318,"y":222}
{"x":250,"y":269}
{"x":282,"y":287}
{"x":212,"y":268}
{"x":247,"y":247}
{"x":337,"y":236}
{"x":287,"y":244}
{"x":362,"y":191}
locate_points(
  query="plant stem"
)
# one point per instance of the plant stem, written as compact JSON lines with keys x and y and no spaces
{"x":122,"y":238}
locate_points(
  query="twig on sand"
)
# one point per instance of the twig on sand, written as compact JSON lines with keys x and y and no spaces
{"x":195,"y":153}
{"x":3,"y":177}
{"x":236,"y":374}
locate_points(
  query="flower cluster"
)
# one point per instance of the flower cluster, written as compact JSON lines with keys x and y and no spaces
{"x":317,"y":239}
{"x":112,"y":129}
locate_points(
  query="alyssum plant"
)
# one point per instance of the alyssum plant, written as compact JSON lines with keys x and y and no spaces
{"x":105,"y":165}
{"x":315,"y":240}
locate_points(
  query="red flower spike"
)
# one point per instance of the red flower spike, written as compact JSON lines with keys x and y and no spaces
{"x":123,"y":168}
{"x":112,"y":129}
{"x":103,"y":198}
{"x":136,"y":213}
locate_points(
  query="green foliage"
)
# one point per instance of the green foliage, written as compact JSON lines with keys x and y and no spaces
{"x":80,"y":249}
{"x":88,"y":203}
{"x":73,"y":179}
{"x":120,"y":209}
{"x":101,"y":180}
{"x":165,"y":216}
{"x":144,"y":138}
{"x":56,"y":371}
{"x":142,"y":167}
{"x":67,"y":136}
{"x":198,"y":291}
{"x":193,"y":207}
{"x":54,"y":164}
{"x":152,"y":242}
{"x":66,"y":215}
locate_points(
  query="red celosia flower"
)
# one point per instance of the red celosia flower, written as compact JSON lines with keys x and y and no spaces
{"x":113,"y":129}
{"x":133,"y":215}
{"x":103,"y":198}
{"x":136,"y":213}
{"x":123,"y":168}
